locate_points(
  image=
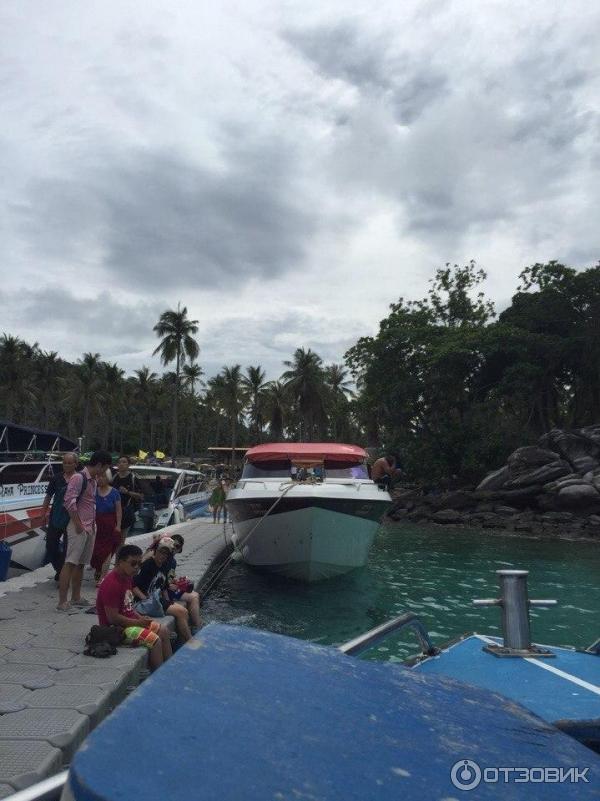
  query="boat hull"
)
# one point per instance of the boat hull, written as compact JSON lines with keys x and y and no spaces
{"x":309,"y":538}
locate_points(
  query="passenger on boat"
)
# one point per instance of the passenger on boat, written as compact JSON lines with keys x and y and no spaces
{"x":114,"y":605}
{"x":152,"y":578}
{"x":80,"y":503}
{"x":126,"y":483}
{"x":108,"y":527}
{"x":58,"y":519}
{"x":384,"y":470}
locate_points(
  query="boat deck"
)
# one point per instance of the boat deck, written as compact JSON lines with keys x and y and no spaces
{"x":563,"y":690}
{"x":51,"y":695}
{"x":261,"y":716}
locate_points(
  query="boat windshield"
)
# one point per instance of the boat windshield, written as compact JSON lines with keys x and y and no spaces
{"x":274,"y":469}
{"x":285,"y":469}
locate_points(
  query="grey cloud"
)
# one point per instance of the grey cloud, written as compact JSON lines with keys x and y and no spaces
{"x":73,"y":324}
{"x":368,"y":62}
{"x":157,"y":220}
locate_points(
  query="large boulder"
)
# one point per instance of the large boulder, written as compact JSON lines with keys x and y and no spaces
{"x":495,"y":480}
{"x":541,"y":475}
{"x":459,"y":499}
{"x":525,"y":459}
{"x":579,"y":450}
{"x":579,"y":496}
{"x":447,"y":516}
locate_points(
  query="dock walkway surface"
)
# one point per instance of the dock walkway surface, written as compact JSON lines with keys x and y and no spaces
{"x":51,"y":695}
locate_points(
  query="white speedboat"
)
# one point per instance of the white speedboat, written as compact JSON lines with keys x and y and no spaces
{"x":171,"y":494}
{"x":306,"y":510}
{"x":28,"y":459}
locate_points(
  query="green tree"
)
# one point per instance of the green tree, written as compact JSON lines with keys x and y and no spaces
{"x":305,"y":381}
{"x":254,"y":386}
{"x":177,"y":344}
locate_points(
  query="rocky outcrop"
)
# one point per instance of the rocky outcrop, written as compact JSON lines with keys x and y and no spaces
{"x":549,"y":488}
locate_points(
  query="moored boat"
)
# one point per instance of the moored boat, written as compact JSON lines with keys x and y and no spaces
{"x":28,"y":459}
{"x":306,"y":510}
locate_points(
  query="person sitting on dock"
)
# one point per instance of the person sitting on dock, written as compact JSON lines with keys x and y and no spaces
{"x":153,"y":578}
{"x":384,"y":470}
{"x":80,"y":503}
{"x":114,"y":606}
{"x":188,"y":598}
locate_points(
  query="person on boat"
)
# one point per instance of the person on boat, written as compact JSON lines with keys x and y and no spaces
{"x":58,"y":519}
{"x":109,"y":513}
{"x":114,"y":606}
{"x":217,"y":501}
{"x":125,"y":482}
{"x":80,"y":503}
{"x":384,"y":470}
{"x":152,"y":578}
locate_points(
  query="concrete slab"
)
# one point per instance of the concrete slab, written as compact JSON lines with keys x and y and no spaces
{"x":6,"y":790}
{"x":14,"y":637}
{"x":7,"y":611}
{"x":62,"y":728}
{"x":54,"y":658}
{"x":24,"y":762}
{"x":3,"y":651}
{"x":91,"y":701}
{"x":32,"y":677}
{"x":12,"y":698}
{"x":70,"y":642}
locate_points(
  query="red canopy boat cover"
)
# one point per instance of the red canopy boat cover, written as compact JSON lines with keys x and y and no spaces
{"x":306,"y":451}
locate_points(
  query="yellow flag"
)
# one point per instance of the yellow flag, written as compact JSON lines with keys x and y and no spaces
{"x":142,"y":454}
{"x":159,"y":454}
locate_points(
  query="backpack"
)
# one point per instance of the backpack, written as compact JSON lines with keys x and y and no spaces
{"x":59,"y":516}
{"x":102,"y":641}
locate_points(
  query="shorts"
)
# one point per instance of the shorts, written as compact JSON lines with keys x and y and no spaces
{"x":80,"y":547}
{"x":138,"y":635}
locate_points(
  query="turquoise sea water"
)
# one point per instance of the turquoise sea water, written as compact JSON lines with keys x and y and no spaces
{"x":433,"y":572}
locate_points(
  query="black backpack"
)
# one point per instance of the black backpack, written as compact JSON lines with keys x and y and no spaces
{"x":102,"y":641}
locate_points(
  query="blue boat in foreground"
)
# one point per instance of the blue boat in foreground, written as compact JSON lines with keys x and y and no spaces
{"x":258,"y":716}
{"x":261,"y":716}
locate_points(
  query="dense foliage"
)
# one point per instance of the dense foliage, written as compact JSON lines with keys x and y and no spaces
{"x":456,"y":390}
{"x":445,"y":382}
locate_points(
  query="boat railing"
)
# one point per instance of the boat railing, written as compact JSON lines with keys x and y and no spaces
{"x":375,"y":636}
{"x":47,"y":790}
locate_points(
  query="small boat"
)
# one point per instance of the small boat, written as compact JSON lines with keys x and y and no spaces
{"x":29,"y":457}
{"x":171,"y":494}
{"x":308,"y":511}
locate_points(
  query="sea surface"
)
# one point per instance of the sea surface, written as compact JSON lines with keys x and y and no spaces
{"x":433,"y":572}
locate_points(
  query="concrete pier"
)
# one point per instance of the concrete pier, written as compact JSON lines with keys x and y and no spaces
{"x":51,"y":695}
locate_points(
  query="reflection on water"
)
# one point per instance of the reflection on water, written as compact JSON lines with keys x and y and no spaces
{"x":433,"y":572}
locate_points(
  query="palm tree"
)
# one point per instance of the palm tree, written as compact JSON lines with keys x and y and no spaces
{"x":339,"y":391}
{"x":114,"y":382}
{"x":144,"y":395}
{"x":17,"y":386}
{"x":191,"y":376}
{"x":254,"y":385}
{"x":276,"y":404}
{"x":305,"y":381}
{"x":176,"y":345}
{"x":48,"y":375}
{"x":87,"y":385}
{"x":233,"y":397}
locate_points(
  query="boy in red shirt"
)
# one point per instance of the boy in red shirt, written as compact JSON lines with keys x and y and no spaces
{"x":114,"y":605}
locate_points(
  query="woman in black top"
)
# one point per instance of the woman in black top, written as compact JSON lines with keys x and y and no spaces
{"x":152,"y":577}
{"x":125,"y":482}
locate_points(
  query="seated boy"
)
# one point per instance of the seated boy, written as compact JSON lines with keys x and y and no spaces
{"x":114,"y":604}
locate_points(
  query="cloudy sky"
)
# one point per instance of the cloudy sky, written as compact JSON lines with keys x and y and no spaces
{"x":285,"y":169}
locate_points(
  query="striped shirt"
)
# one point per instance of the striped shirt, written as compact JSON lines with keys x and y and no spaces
{"x":86,"y":506}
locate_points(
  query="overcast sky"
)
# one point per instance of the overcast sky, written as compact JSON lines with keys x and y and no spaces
{"x":285,"y":169}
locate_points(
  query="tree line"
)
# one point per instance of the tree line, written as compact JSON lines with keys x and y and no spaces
{"x":446,"y":382}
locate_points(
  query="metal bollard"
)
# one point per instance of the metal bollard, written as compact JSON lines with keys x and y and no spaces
{"x":514,"y":603}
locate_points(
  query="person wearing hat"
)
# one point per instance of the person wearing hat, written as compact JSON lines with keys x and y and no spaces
{"x":152,"y":579}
